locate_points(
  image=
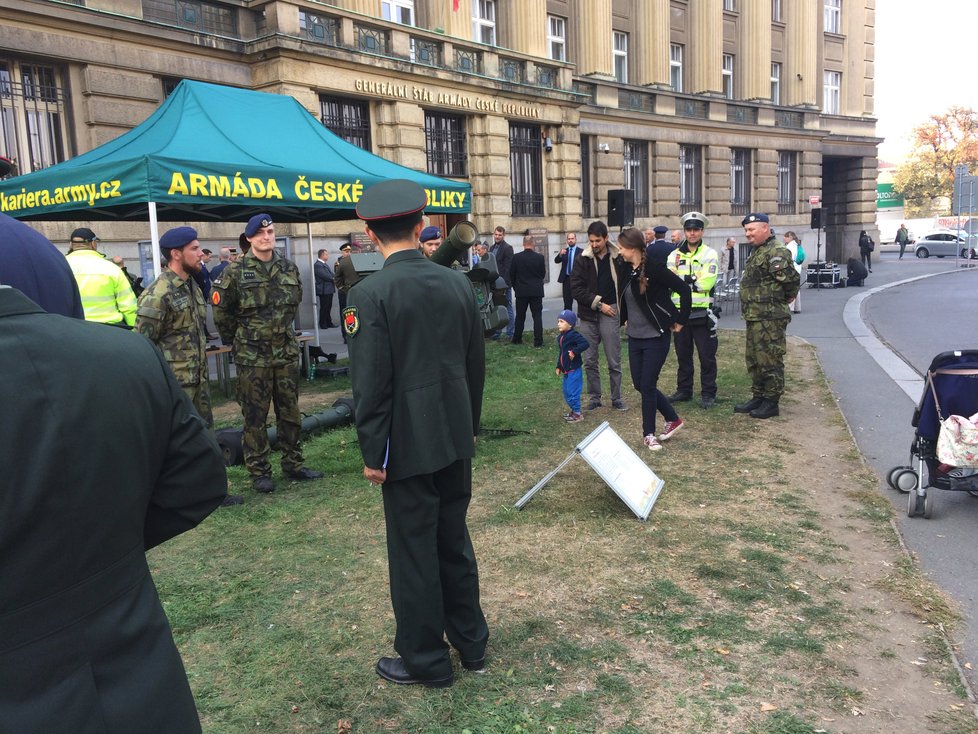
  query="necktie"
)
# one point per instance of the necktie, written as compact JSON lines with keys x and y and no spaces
{"x":570,"y":260}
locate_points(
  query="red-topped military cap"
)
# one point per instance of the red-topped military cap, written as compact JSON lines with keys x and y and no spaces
{"x":391,"y":200}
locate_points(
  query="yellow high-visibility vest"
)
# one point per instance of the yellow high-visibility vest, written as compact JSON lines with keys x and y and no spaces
{"x":105,"y":292}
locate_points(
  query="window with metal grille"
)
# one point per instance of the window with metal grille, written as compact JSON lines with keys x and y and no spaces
{"x":33,"y":128}
{"x":637,"y":174}
{"x":372,"y":40}
{"x":526,"y":170}
{"x":426,"y":52}
{"x":346,"y":118}
{"x":484,"y":21}
{"x":468,"y":61}
{"x":200,"y":16}
{"x":320,"y":28}
{"x":740,"y":181}
{"x":445,"y":144}
{"x":787,"y":177}
{"x":586,"y":143}
{"x":690,"y":177}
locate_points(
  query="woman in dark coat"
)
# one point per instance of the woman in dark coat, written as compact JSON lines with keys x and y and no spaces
{"x":645,"y":291}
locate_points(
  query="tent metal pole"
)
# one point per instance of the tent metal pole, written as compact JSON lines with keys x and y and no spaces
{"x":312,"y":274}
{"x":154,"y":235}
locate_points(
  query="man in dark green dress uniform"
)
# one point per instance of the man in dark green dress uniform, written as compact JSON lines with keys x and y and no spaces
{"x":768,"y":284}
{"x":96,"y":471}
{"x":418,"y":367}
{"x":255,"y":302}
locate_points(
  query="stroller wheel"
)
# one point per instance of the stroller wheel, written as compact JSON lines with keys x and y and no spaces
{"x":905,"y":479}
{"x":914,"y":507}
{"x":928,"y":506}
{"x":891,"y":476}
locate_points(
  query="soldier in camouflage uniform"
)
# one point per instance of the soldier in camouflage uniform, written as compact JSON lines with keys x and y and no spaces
{"x":769,"y":282}
{"x":171,"y":314}
{"x":255,"y":302}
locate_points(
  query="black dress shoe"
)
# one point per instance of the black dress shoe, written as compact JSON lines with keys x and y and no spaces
{"x":393,"y":669}
{"x":263,"y":484}
{"x":304,"y":473}
{"x":680,"y":397}
{"x":232,"y":499}
{"x":753,"y":403}
{"x":475,"y":666}
{"x":767,"y":409}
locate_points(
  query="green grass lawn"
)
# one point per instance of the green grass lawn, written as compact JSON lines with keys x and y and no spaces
{"x":599,"y":622}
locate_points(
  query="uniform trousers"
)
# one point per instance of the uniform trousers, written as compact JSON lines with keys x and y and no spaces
{"x":764,"y":356}
{"x":568,"y":295}
{"x":433,"y":572}
{"x":200,"y":396}
{"x":257,"y":388}
{"x":698,"y":333}
{"x":535,"y":304}
{"x":607,"y":332}
{"x":645,"y":360}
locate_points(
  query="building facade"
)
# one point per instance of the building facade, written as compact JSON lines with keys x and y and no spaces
{"x":544,"y":106}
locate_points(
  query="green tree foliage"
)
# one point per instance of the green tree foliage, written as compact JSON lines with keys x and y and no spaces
{"x":926,"y":178}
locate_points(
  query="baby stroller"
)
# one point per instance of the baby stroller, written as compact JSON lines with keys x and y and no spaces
{"x":950,"y":388}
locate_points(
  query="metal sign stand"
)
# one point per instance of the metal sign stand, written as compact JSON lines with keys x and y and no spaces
{"x":614,"y":461}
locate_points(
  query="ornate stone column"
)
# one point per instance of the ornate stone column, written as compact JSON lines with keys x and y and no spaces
{"x":651,"y":42}
{"x":754,"y":55}
{"x":802,"y":72}
{"x":706,"y":46}
{"x":525,"y":28}
{"x":457,"y":24}
{"x":594,"y":38}
{"x":367,"y":7}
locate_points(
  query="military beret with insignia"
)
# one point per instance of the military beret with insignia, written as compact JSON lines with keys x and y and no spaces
{"x":755,"y":217}
{"x":259,"y":221}
{"x":177,"y":237}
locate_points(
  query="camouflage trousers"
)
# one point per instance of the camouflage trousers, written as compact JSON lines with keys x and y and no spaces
{"x":200,"y":396}
{"x":765,"y":357}
{"x":257,"y":388}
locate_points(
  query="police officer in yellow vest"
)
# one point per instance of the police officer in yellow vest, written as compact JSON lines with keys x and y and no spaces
{"x":106,"y":293}
{"x":698,"y":266}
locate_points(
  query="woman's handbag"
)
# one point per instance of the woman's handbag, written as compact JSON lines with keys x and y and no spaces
{"x":957,"y":442}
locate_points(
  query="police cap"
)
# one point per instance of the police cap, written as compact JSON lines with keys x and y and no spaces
{"x":257,"y":222}
{"x":660,"y":229}
{"x":177,"y":237}
{"x":83,"y":234}
{"x":755,"y":217}
{"x":694,"y":220}
{"x":391,"y":199}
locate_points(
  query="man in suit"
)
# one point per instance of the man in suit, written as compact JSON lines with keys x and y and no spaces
{"x":325,"y":288}
{"x":418,"y":367}
{"x":108,"y":469}
{"x":528,"y":271}
{"x":658,"y":249}
{"x":504,"y":258}
{"x":565,"y":258}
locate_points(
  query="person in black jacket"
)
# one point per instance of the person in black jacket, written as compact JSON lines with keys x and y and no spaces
{"x":504,"y":259}
{"x":645,"y":293}
{"x":527,"y":273}
{"x":866,"y":247}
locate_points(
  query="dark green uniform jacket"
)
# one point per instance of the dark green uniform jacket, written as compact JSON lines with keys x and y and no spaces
{"x":255,"y":304}
{"x":417,"y":382}
{"x":102,"y":457}
{"x":172,"y":315}
{"x":768,"y":283}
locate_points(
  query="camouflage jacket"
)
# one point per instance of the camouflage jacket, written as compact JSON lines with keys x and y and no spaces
{"x":255,"y":304}
{"x":172,"y":314}
{"x":768,"y":283}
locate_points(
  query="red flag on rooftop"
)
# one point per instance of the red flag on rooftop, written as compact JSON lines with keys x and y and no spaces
{"x":455,"y":5}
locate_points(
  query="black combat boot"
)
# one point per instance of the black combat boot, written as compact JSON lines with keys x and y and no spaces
{"x":754,"y":402}
{"x":767,"y":409}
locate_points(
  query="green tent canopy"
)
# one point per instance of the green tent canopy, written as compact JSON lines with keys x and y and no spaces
{"x":215,"y":153}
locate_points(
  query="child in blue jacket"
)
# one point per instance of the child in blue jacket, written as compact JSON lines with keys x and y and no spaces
{"x":570,"y":344}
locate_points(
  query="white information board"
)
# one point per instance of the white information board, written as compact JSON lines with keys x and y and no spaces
{"x":614,"y":461}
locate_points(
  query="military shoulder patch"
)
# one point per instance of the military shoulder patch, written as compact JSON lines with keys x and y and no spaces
{"x":351,"y":320}
{"x":216,"y":298}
